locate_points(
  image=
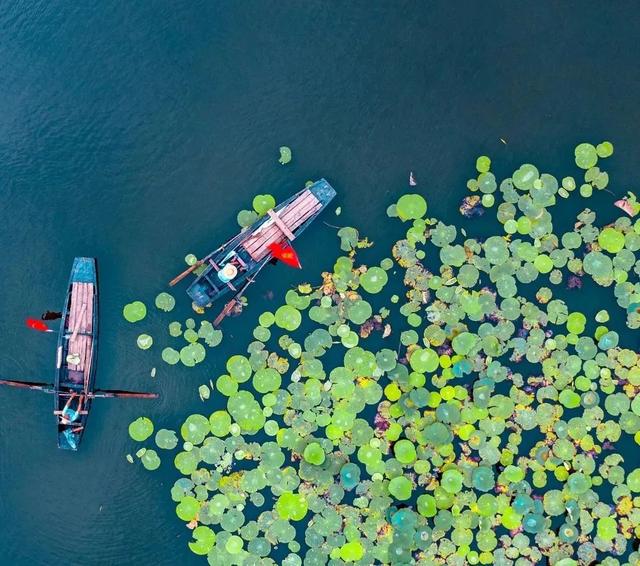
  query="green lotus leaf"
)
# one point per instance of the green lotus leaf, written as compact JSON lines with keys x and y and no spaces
{"x":291,"y":506}
{"x":188,"y":508}
{"x":144,"y":341}
{"x":150,"y":460}
{"x":611,"y":240}
{"x":263,"y":203}
{"x":171,"y":356}
{"x":288,"y":318}
{"x":192,"y":354}
{"x":285,"y":155}
{"x":141,"y":429}
{"x":411,"y":206}
{"x":166,"y":439}
{"x":239,"y":368}
{"x":135,"y":311}
{"x":586,"y":156}
{"x":483,"y":164}
{"x":348,"y":238}
{"x":524,"y":177}
{"x":604,"y":149}
{"x":165,"y":302}
{"x":195,"y":428}
{"x":373,"y":280}
{"x":424,"y":360}
{"x":205,"y":540}
{"x":246,"y":218}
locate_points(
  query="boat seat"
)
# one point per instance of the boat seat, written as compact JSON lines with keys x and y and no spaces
{"x":75,"y":376}
{"x":217,"y":268}
{"x":83,"y":412}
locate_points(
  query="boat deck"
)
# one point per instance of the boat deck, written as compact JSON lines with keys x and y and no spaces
{"x":80,"y":335}
{"x":282,"y":225}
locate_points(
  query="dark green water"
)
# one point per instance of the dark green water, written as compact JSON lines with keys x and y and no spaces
{"x":135,"y":132}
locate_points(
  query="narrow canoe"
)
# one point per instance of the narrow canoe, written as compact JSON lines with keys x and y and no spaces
{"x":247,"y":252}
{"x":76,"y":354}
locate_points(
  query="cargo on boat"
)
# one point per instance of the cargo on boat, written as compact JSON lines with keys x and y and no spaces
{"x":232,"y":266}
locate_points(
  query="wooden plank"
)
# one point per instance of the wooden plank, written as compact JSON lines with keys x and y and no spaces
{"x":280,"y":224}
{"x":257,"y":246}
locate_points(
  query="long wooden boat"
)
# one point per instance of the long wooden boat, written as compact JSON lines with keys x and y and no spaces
{"x":249,"y":251}
{"x":76,"y":358}
{"x":77,"y":352}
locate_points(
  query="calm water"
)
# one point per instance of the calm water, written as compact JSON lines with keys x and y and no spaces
{"x":135,"y":131}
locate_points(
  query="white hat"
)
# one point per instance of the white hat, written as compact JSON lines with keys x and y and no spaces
{"x":229,"y":271}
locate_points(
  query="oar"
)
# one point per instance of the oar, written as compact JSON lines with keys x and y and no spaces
{"x":197,"y":264}
{"x":44,"y":387}
{"x":115,"y":393}
{"x":229,"y":306}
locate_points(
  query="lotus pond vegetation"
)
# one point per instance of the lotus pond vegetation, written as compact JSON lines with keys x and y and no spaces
{"x":454,"y":401}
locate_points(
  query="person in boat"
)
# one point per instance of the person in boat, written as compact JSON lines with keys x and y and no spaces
{"x":51,"y":315}
{"x":69,"y":415}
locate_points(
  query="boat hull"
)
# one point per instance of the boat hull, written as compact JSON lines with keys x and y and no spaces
{"x":76,"y":354}
{"x":249,"y":249}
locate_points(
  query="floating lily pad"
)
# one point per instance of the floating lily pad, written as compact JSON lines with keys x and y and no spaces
{"x":166,"y":439}
{"x":135,"y":311}
{"x":171,"y":356}
{"x":144,"y":341}
{"x":263,"y":203}
{"x":192,"y":354}
{"x":150,"y":460}
{"x":373,"y":280}
{"x":411,"y":206}
{"x":141,"y":429}
{"x":586,"y":155}
{"x":285,"y":155}
{"x":165,"y":302}
{"x":288,"y":318}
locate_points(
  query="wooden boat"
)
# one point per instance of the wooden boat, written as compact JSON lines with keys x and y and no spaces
{"x":245,"y":255}
{"x":77,"y":352}
{"x":76,"y":358}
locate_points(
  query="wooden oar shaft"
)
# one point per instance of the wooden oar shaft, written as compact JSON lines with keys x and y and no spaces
{"x":45,"y":387}
{"x":186,"y":272}
{"x":229,"y":306}
{"x":112,"y":394}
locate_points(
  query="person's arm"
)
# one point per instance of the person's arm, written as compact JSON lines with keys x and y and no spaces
{"x":68,"y":403}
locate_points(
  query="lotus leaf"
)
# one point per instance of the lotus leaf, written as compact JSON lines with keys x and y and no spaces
{"x":135,"y":311}
{"x":171,"y":356}
{"x":166,"y":439}
{"x":611,"y":240}
{"x":411,"y":206}
{"x":246,"y":218}
{"x":373,"y":280}
{"x":348,"y":238}
{"x":205,"y":539}
{"x":288,"y":318}
{"x":150,"y":460}
{"x":165,"y":302}
{"x":586,"y":156}
{"x":141,"y":429}
{"x":263,"y":203}
{"x":192,"y":354}
{"x":285,"y":155}
{"x":144,"y":341}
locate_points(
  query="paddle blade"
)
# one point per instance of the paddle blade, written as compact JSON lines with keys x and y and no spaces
{"x":37,"y":324}
{"x":286,"y":254}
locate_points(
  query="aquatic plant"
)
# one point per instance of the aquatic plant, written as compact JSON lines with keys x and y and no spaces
{"x":495,"y":424}
{"x":285,"y":155}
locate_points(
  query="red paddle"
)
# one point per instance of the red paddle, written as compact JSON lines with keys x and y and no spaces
{"x":38,"y":325}
{"x":286,"y":254}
